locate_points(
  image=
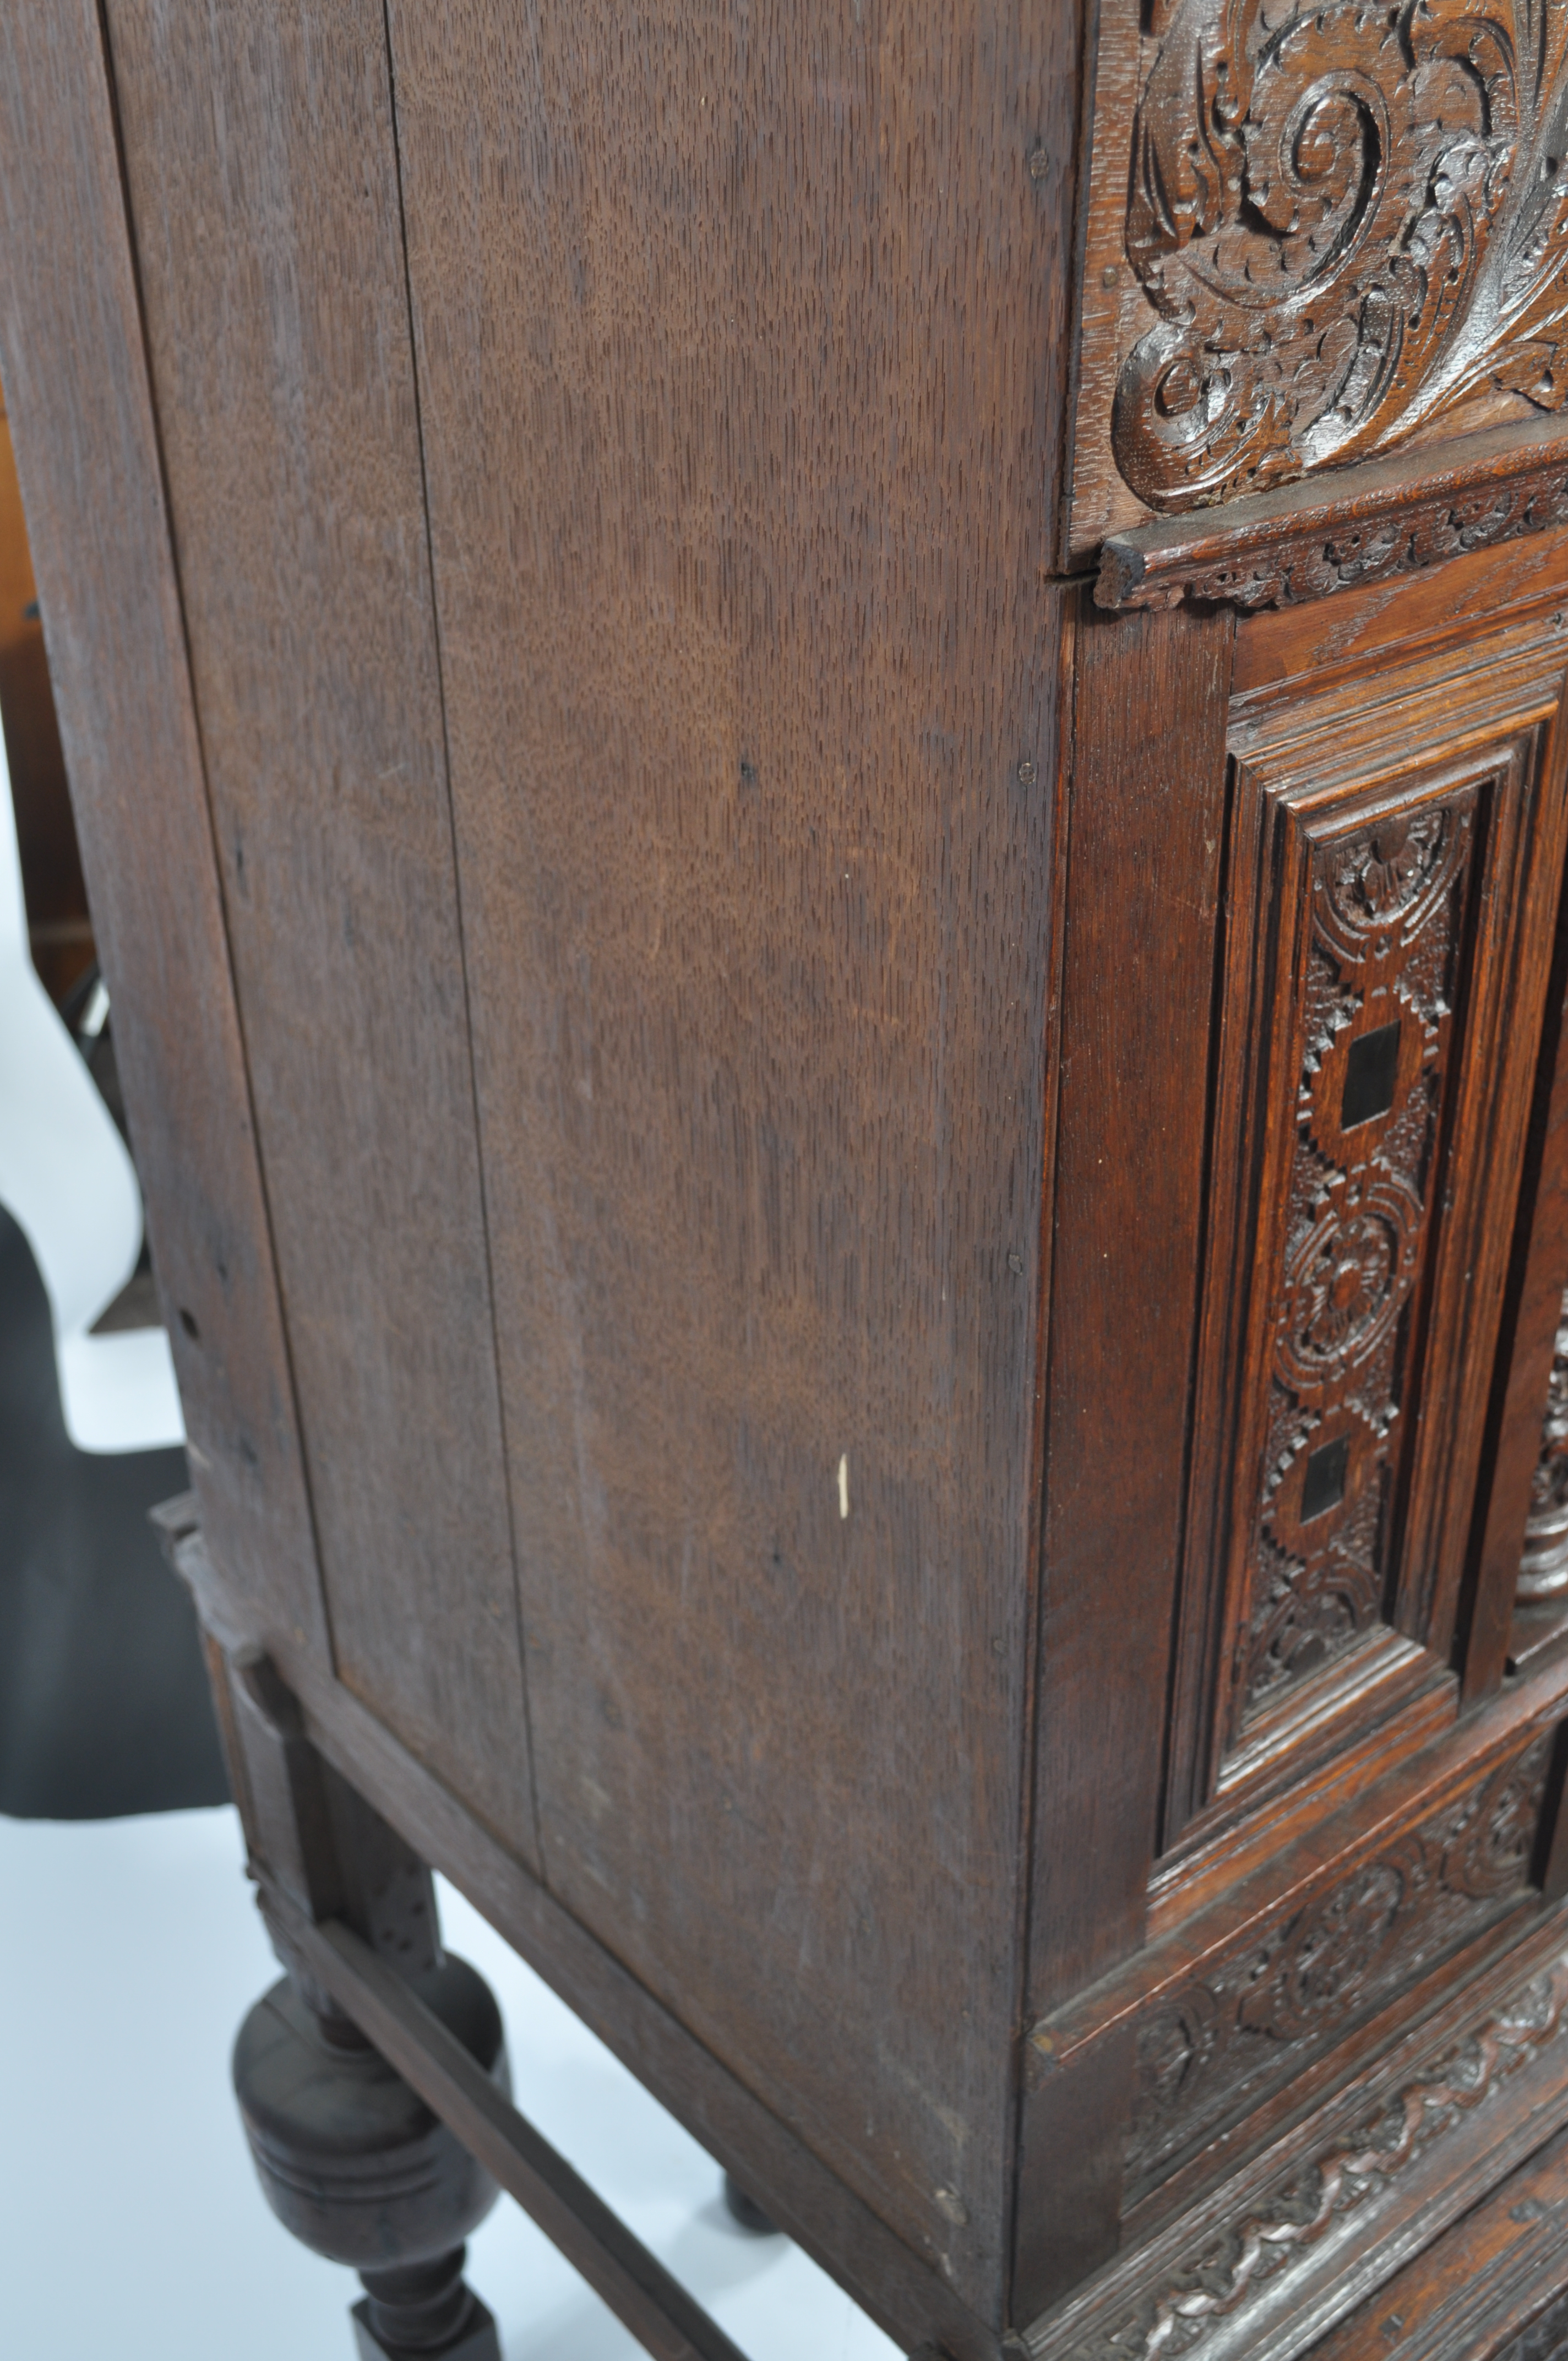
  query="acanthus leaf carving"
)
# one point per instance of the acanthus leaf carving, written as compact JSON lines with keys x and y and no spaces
{"x":1349,"y":220}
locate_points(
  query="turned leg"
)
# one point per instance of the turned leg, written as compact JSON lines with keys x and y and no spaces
{"x":354,"y":2163}
{"x":349,"y":2156}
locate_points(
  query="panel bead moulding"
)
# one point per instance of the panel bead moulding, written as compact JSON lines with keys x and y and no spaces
{"x":1235,"y":2275}
{"x":1392,"y":901}
{"x":1316,"y":237}
{"x":1212,"y":2044}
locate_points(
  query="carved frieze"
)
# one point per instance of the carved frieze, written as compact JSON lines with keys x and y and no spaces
{"x":1218,"y":2043}
{"x":1335,"y":232}
{"x":1347,"y":221}
{"x":1391,"y":518}
{"x":1543,"y":1570}
{"x":1229,"y":2266}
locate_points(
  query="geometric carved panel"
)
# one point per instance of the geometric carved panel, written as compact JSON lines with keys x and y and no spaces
{"x":1388,"y":904}
{"x":1394,"y":845}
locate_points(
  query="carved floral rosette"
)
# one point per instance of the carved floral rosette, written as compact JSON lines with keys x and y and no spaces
{"x":1386,"y":929}
{"x":1349,"y":222}
{"x":1217,"y":2042}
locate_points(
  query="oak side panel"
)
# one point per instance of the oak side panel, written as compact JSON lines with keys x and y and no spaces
{"x":76,"y":390}
{"x":262,"y":171}
{"x":1146,"y":826}
{"x":739,"y":349}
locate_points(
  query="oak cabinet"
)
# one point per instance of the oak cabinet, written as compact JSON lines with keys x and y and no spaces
{"x":820,"y":757}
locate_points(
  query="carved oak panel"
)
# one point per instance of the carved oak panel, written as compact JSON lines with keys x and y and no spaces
{"x":1215,"y":2270}
{"x":1382,"y":978}
{"x":1392,"y":870}
{"x":1317,"y":233}
{"x":1217,"y":2044}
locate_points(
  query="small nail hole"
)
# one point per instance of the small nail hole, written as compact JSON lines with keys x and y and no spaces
{"x":188,"y":1322}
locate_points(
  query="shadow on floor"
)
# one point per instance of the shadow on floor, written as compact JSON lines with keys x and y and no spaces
{"x":104,"y":1701}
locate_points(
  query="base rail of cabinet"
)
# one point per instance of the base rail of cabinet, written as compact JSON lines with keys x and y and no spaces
{"x":1280,"y":2251}
{"x":667,"y":2321}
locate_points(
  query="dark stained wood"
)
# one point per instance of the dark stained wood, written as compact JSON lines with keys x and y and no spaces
{"x":347,"y":2156}
{"x":801,"y":1066}
{"x":1465,"y":2294}
{"x":1237,"y":2005}
{"x":634,"y":2284}
{"x":271,"y":272}
{"x":77,"y":396}
{"x":1072,"y":2179}
{"x":1095,"y":498}
{"x":1533,"y":1316}
{"x":800,"y":2193}
{"x":1438,"y":608}
{"x":1389,"y":518}
{"x":1144,"y":791}
{"x":1254,"y":231}
{"x":751,"y":765}
{"x":1324,"y":1612}
{"x":1264,"y":1826}
{"x":1299,"y":2234}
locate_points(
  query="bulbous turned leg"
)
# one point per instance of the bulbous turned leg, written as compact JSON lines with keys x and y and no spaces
{"x":354,"y":2163}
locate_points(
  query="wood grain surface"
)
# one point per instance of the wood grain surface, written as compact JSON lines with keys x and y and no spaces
{"x":1142,"y":793}
{"x":77,"y":393}
{"x":1467,"y":2293}
{"x":1279,"y":644}
{"x":1532,"y":1316}
{"x":690,"y":1005}
{"x":750,"y":753}
{"x":263,"y":181}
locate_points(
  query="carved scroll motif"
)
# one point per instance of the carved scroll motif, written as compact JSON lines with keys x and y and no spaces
{"x":1229,"y":2266}
{"x":1216,"y":2045}
{"x":1387,"y":909}
{"x":1349,"y":220}
{"x":1543,"y":1569}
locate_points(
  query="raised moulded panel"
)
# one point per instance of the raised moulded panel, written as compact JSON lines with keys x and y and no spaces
{"x":1393,"y":847}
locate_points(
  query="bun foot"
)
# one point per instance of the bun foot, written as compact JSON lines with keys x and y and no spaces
{"x":746,"y":2210}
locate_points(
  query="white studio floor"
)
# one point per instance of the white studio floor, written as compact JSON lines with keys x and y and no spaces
{"x":131,"y":2225}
